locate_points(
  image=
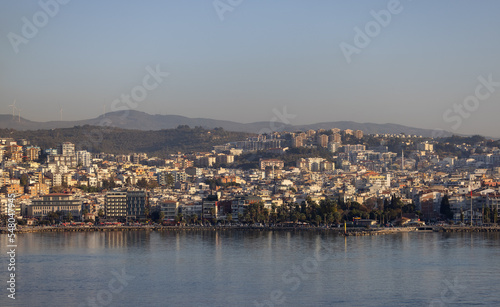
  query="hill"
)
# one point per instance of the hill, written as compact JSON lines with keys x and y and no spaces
{"x":125,"y":141}
{"x":142,"y":121}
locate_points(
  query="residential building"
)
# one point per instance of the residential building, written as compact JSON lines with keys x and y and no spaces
{"x":358,"y":134}
{"x":275,"y":163}
{"x":66,"y":149}
{"x":170,"y":208}
{"x":116,"y":205}
{"x":323,"y":140}
{"x":137,"y":201}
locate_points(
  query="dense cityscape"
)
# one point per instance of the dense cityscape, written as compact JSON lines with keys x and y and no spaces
{"x":316,"y":177}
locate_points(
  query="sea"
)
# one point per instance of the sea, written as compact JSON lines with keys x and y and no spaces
{"x":252,"y":268}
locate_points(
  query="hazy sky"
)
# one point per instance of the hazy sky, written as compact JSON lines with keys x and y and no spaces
{"x":420,"y":64}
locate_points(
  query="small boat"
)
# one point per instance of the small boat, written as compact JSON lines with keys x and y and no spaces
{"x":425,"y":229}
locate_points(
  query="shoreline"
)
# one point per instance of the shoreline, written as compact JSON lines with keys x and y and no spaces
{"x":340,"y":231}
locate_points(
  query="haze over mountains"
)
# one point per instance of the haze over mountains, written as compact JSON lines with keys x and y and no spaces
{"x":144,"y":121}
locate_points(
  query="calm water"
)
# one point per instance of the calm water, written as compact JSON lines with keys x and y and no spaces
{"x":254,"y":269}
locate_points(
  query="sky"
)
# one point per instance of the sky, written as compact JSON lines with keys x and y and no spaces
{"x":421,"y":63}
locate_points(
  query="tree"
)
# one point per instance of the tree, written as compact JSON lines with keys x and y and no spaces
{"x":100,"y":213}
{"x":142,"y":183}
{"x":170,"y":180}
{"x":495,"y":215}
{"x":212,"y":212}
{"x":486,"y":214}
{"x":318,"y":220}
{"x":108,"y":184}
{"x":152,"y":184}
{"x":445,"y":209}
{"x":179,"y":218}
{"x":194,"y":218}
{"x":157,"y":216}
{"x":24,"y":180}
{"x":52,"y":217}
{"x":229,"y":217}
{"x":57,"y":189}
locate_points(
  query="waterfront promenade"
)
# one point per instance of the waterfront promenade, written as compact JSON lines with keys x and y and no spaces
{"x":351,"y":231}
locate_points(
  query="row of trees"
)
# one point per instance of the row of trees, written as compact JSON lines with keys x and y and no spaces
{"x":327,"y":212}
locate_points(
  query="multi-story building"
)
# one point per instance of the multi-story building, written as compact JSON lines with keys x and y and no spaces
{"x":194,"y":171}
{"x":323,"y":140}
{"x":179,"y":176}
{"x":225,"y":159}
{"x":191,"y":209}
{"x":358,"y":134}
{"x":137,"y":201}
{"x":115,"y":206}
{"x":337,"y":138}
{"x":32,"y":153}
{"x":135,"y":158}
{"x":69,"y":161}
{"x":55,"y":202}
{"x":207,"y":161}
{"x":170,"y":208}
{"x":425,"y":146}
{"x":83,"y":158}
{"x":15,"y":189}
{"x":210,"y":208}
{"x":297,"y":141}
{"x":332,"y":147}
{"x":37,"y":189}
{"x":66,"y":149}
{"x":275,"y":163}
{"x":357,"y":147}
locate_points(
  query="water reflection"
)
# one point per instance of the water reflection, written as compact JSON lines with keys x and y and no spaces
{"x":236,"y":268}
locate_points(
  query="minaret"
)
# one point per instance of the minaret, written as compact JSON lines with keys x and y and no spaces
{"x":402,"y":159}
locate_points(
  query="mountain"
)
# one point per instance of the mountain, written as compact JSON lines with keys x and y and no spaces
{"x":137,"y":120}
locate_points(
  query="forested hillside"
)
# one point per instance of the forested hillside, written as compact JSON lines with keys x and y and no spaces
{"x":122,"y":141}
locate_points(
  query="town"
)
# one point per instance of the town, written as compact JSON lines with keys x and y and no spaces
{"x":315,"y":177}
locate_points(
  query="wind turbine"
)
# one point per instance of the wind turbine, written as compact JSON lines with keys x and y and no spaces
{"x":60,"y":111}
{"x":19,"y":110}
{"x":13,"y":109}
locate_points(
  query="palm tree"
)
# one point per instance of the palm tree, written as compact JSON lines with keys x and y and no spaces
{"x":212,"y":212}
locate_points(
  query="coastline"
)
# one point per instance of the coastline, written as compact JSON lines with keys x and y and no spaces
{"x":339,"y":231}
